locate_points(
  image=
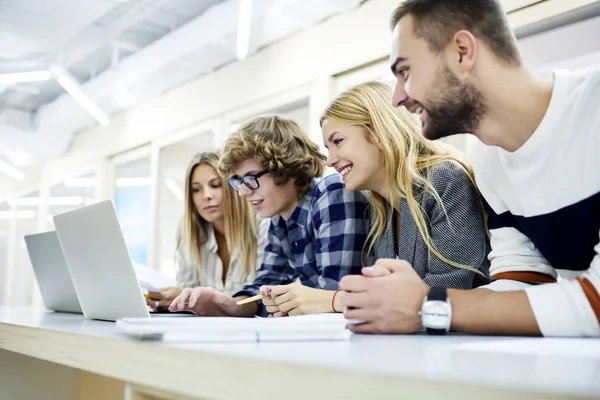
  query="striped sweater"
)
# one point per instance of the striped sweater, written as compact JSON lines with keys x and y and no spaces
{"x":544,"y":203}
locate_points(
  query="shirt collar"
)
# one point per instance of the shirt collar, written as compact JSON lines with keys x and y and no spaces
{"x":302,"y":211}
{"x":211,"y":240}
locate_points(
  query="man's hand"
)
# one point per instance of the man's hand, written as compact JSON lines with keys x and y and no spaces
{"x":387,"y":298}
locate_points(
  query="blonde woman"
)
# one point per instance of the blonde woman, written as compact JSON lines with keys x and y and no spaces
{"x":425,"y":207}
{"x":220,"y":242}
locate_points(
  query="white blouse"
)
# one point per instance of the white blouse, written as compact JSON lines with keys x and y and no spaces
{"x":188,"y":274}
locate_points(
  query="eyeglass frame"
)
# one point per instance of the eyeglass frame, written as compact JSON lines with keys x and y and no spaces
{"x":241,"y":180}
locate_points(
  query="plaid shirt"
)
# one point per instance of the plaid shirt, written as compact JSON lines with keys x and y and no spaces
{"x":320,"y":243}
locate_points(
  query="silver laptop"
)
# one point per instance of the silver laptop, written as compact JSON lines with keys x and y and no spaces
{"x":99,"y":263}
{"x":52,"y":273}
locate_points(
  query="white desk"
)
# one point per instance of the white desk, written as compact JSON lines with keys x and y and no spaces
{"x":374,"y":367}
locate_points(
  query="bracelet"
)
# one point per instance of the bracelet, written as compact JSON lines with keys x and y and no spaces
{"x":333,"y":301}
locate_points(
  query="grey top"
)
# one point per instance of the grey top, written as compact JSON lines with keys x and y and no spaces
{"x":458,"y":233}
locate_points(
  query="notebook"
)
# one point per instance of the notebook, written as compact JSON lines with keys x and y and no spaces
{"x":316,"y":327}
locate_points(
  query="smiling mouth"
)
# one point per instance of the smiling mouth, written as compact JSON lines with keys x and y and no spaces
{"x":256,"y":202}
{"x":346,"y":171}
{"x":421,"y":114}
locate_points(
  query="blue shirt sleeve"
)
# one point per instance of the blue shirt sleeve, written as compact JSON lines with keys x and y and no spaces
{"x":274,"y":270}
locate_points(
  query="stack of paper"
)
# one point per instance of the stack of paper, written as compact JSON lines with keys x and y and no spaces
{"x":227,"y":329}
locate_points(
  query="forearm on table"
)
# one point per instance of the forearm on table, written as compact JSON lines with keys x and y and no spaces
{"x":483,"y":311}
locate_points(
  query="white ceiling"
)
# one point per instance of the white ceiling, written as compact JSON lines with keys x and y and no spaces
{"x":87,"y":37}
{"x":123,"y":52}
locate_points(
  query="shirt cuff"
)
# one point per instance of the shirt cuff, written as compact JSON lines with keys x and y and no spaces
{"x":253,"y":291}
{"x":562,"y":309}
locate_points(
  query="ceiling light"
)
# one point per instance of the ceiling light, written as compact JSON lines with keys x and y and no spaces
{"x":234,"y":127}
{"x":11,"y":171}
{"x":243,"y":32}
{"x":20,"y":77}
{"x":90,"y":201}
{"x":175,"y":189}
{"x":70,"y":84}
{"x":132,"y":182}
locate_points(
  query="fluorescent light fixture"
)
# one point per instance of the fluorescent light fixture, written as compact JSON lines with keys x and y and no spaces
{"x":133,"y":182}
{"x":65,"y":201}
{"x":70,"y":84}
{"x":81,"y":182}
{"x":50,"y":219}
{"x":52,"y":201}
{"x":11,"y":171}
{"x":21,"y":214}
{"x":19,"y":77}
{"x":234,"y":127}
{"x":243,"y":32}
{"x":175,"y":189}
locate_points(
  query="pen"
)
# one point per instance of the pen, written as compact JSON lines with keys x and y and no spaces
{"x":254,"y":298}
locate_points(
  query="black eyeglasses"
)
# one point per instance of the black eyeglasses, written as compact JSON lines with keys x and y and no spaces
{"x":250,"y":180}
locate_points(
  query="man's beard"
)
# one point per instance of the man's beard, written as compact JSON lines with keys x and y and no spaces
{"x":459,"y":109}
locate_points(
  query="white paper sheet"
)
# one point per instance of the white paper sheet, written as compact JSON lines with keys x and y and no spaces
{"x":152,"y":278}
{"x":227,"y":329}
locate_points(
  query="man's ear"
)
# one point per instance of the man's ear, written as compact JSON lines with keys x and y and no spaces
{"x":462,"y":52}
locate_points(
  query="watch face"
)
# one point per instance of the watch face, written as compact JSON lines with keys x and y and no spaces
{"x":436,"y":314}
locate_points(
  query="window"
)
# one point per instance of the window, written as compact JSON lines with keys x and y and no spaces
{"x":6,"y":216}
{"x":23,"y":279}
{"x":132,"y":203}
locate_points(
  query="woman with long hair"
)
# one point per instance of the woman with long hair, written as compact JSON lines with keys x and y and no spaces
{"x":425,"y":207}
{"x":220,"y":240}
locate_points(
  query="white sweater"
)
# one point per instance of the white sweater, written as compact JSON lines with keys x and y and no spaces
{"x":189,"y":275}
{"x":545,"y":201}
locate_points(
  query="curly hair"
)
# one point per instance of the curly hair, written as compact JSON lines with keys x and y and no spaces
{"x":280,"y":146}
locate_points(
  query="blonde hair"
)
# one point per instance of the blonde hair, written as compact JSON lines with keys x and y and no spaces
{"x":406,"y":155}
{"x":280,"y":146}
{"x":240,"y":229}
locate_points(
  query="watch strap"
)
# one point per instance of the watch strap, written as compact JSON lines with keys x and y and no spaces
{"x":438,"y":294}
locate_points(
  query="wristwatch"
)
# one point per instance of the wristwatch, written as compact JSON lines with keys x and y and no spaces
{"x":436,"y":312}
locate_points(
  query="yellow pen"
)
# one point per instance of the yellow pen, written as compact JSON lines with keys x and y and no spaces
{"x":254,"y":298}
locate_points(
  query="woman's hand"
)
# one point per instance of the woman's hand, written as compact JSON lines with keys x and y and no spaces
{"x":295,"y":299}
{"x":162,"y":299}
{"x":204,"y":301}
